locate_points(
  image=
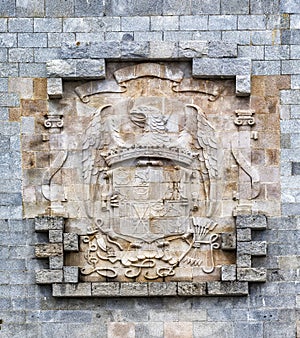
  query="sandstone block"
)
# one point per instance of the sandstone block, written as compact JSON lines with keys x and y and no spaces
{"x":162,"y":289}
{"x":54,"y":88}
{"x":48,"y":250}
{"x":133,"y":289}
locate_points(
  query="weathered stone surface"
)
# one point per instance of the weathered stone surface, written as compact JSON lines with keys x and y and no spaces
{"x":251,"y":221}
{"x":191,"y":289}
{"x":218,"y":49}
{"x":71,"y":274}
{"x":255,"y":248}
{"x":70,"y":242}
{"x":162,"y":289}
{"x":55,"y":236}
{"x":228,"y":241}
{"x":221,"y":67}
{"x":192,"y":49}
{"x":47,"y":250}
{"x":72,"y":290}
{"x":228,"y":273}
{"x":49,"y":276}
{"x":49,"y":223}
{"x":243,"y":85}
{"x":54,"y":88}
{"x":83,"y":68}
{"x":227,"y":288}
{"x":133,"y":289}
{"x":110,"y":289}
{"x":251,"y":274}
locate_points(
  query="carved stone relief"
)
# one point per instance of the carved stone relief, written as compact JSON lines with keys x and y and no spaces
{"x":149,"y":169}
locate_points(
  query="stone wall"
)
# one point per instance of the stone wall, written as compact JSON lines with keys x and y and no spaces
{"x":35,"y":32}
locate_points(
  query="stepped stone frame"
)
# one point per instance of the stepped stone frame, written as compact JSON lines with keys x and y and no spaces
{"x":84,"y":68}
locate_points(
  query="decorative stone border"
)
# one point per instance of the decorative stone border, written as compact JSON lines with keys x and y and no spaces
{"x":209,"y":59}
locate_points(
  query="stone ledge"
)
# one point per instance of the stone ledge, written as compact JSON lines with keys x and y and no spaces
{"x":119,"y":289}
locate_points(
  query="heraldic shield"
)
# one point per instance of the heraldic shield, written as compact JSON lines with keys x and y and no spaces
{"x":150,"y":167}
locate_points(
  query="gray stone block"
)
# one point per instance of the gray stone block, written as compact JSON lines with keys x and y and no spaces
{"x":7,"y":9}
{"x":133,"y":8}
{"x":228,"y":241}
{"x":290,"y":97}
{"x":222,"y":22}
{"x":264,"y":7}
{"x":20,"y":55}
{"x":163,"y":23}
{"x":266,"y":67}
{"x":251,"y":22}
{"x":32,"y":70}
{"x":57,"y":8}
{"x":191,"y":49}
{"x":162,"y":289}
{"x":55,"y":236}
{"x":255,"y":248}
{"x":221,"y":67}
{"x":205,"y":7}
{"x":234,"y":6}
{"x":83,"y":68}
{"x":135,"y":23}
{"x":9,"y":100}
{"x":110,"y":289}
{"x":49,"y":276}
{"x":228,"y":272}
{"x":219,"y":49}
{"x":148,"y":36}
{"x":133,"y":50}
{"x":243,"y":260}
{"x":252,"y":52}
{"x":47,"y":223}
{"x":8,"y":40}
{"x":47,"y":25}
{"x":243,"y":85}
{"x":89,"y":8}
{"x":71,"y":274}
{"x":251,"y":221}
{"x":57,"y":39}
{"x":30,"y":8}
{"x":3,"y":25}
{"x":105,"y":50}
{"x":175,"y":7}
{"x":289,"y":6}
{"x":72,"y":290}
{"x":227,"y":288}
{"x":239,"y":37}
{"x":20,"y":25}
{"x":265,"y":37}
{"x":71,"y":242}
{"x":295,"y":84}
{"x":243,"y":235}
{"x":193,"y":23}
{"x":290,"y":67}
{"x":191,"y":289}
{"x":248,"y":330}
{"x":163,"y":49}
{"x":277,"y":53}
{"x":251,"y":274}
{"x":133,"y":289}
{"x":32,"y":40}
{"x":46,"y":54}
{"x":56,"y":262}
{"x":54,"y":88}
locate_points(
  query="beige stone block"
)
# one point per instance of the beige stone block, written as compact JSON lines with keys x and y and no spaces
{"x":14,"y":114}
{"x":30,"y":107}
{"x":199,"y":276}
{"x":28,"y":159}
{"x":120,"y":330}
{"x":47,"y":250}
{"x":40,"y":88}
{"x":178,"y":330}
